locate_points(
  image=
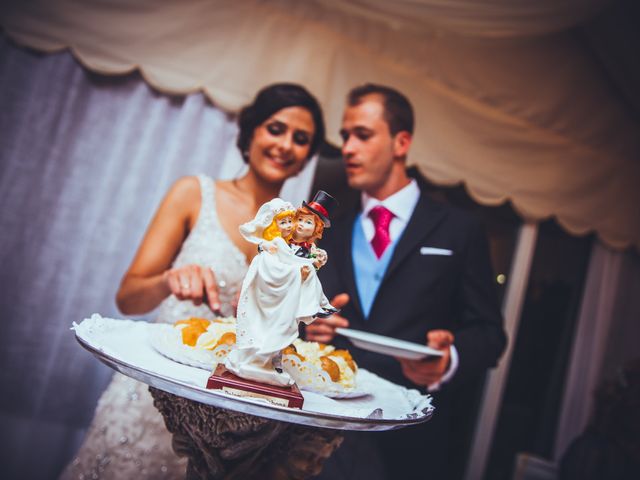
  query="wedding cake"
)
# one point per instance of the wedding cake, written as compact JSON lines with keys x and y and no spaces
{"x":204,"y":343}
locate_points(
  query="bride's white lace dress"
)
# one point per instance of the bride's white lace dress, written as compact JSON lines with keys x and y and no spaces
{"x":127,"y":438}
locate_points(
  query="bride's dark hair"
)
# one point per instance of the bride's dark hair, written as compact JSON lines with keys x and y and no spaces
{"x":268,"y":101}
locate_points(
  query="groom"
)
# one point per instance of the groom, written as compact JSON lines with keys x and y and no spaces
{"x":405,"y":267}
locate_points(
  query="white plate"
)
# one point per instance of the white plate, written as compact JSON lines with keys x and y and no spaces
{"x":388,"y":345}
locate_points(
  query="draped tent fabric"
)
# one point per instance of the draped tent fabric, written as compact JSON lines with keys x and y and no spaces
{"x":508,"y":100}
{"x":487,"y":18}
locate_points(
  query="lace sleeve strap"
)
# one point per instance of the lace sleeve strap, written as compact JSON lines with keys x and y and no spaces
{"x":207,"y":192}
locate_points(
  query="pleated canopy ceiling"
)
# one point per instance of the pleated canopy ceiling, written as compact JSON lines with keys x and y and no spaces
{"x":523,"y":101}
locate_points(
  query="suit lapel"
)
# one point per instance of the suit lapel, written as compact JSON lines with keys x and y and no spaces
{"x":424,"y":219}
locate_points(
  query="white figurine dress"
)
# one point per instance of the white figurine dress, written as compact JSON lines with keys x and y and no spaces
{"x":127,"y":437}
{"x":274,"y":300}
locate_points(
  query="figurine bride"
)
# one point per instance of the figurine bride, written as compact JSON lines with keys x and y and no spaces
{"x":276,"y":296}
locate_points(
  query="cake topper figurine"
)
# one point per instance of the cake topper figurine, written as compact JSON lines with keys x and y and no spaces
{"x":281,"y":288}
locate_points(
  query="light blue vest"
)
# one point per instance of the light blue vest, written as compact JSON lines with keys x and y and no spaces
{"x":367,"y":268}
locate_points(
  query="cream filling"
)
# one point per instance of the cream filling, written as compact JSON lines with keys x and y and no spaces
{"x":215,"y":331}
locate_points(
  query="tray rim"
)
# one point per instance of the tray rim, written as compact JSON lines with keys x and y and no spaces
{"x":274,"y":412}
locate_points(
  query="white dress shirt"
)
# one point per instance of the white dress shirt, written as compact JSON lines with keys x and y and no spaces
{"x":402,"y":204}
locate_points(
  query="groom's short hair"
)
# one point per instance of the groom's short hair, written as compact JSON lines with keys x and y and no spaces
{"x":398,"y":111}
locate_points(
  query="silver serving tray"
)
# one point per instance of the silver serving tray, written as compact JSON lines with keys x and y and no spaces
{"x":371,"y":422}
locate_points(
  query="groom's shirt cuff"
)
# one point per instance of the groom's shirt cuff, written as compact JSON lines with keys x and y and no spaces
{"x":448,"y":375}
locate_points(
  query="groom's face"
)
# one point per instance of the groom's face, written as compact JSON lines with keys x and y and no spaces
{"x":368,"y":148}
{"x":305,"y":226}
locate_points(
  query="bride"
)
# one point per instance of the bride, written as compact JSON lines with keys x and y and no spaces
{"x":191,"y":263}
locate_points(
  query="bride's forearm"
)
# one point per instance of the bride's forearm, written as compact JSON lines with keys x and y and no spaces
{"x":139,"y":295}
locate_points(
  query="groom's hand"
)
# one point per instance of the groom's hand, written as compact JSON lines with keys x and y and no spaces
{"x":323,"y":330}
{"x":430,"y":371}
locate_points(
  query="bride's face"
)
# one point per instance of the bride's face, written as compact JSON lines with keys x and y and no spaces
{"x":280,"y":145}
{"x":285,"y":225}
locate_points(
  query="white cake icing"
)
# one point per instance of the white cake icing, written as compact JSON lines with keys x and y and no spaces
{"x":309,"y":374}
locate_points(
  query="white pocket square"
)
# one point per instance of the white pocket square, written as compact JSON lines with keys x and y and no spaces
{"x":435,"y":251}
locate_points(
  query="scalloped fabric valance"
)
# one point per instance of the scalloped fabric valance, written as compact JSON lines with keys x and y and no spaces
{"x":509,"y":100}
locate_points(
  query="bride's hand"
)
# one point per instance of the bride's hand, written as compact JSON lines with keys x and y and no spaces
{"x":195,"y":283}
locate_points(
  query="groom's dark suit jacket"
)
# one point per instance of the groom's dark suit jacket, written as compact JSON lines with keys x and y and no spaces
{"x":422,"y":291}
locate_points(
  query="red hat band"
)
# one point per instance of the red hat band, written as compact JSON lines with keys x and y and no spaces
{"x":320,"y":208}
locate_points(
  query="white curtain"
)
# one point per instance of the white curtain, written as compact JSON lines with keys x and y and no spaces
{"x":607,"y":333}
{"x":84,"y":162}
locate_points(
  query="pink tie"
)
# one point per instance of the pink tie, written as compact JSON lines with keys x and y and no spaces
{"x":381,"y":217}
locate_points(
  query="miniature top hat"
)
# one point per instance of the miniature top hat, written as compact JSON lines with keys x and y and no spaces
{"x":322,"y":205}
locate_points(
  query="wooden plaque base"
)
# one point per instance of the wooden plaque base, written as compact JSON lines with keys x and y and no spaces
{"x":223,"y":379}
